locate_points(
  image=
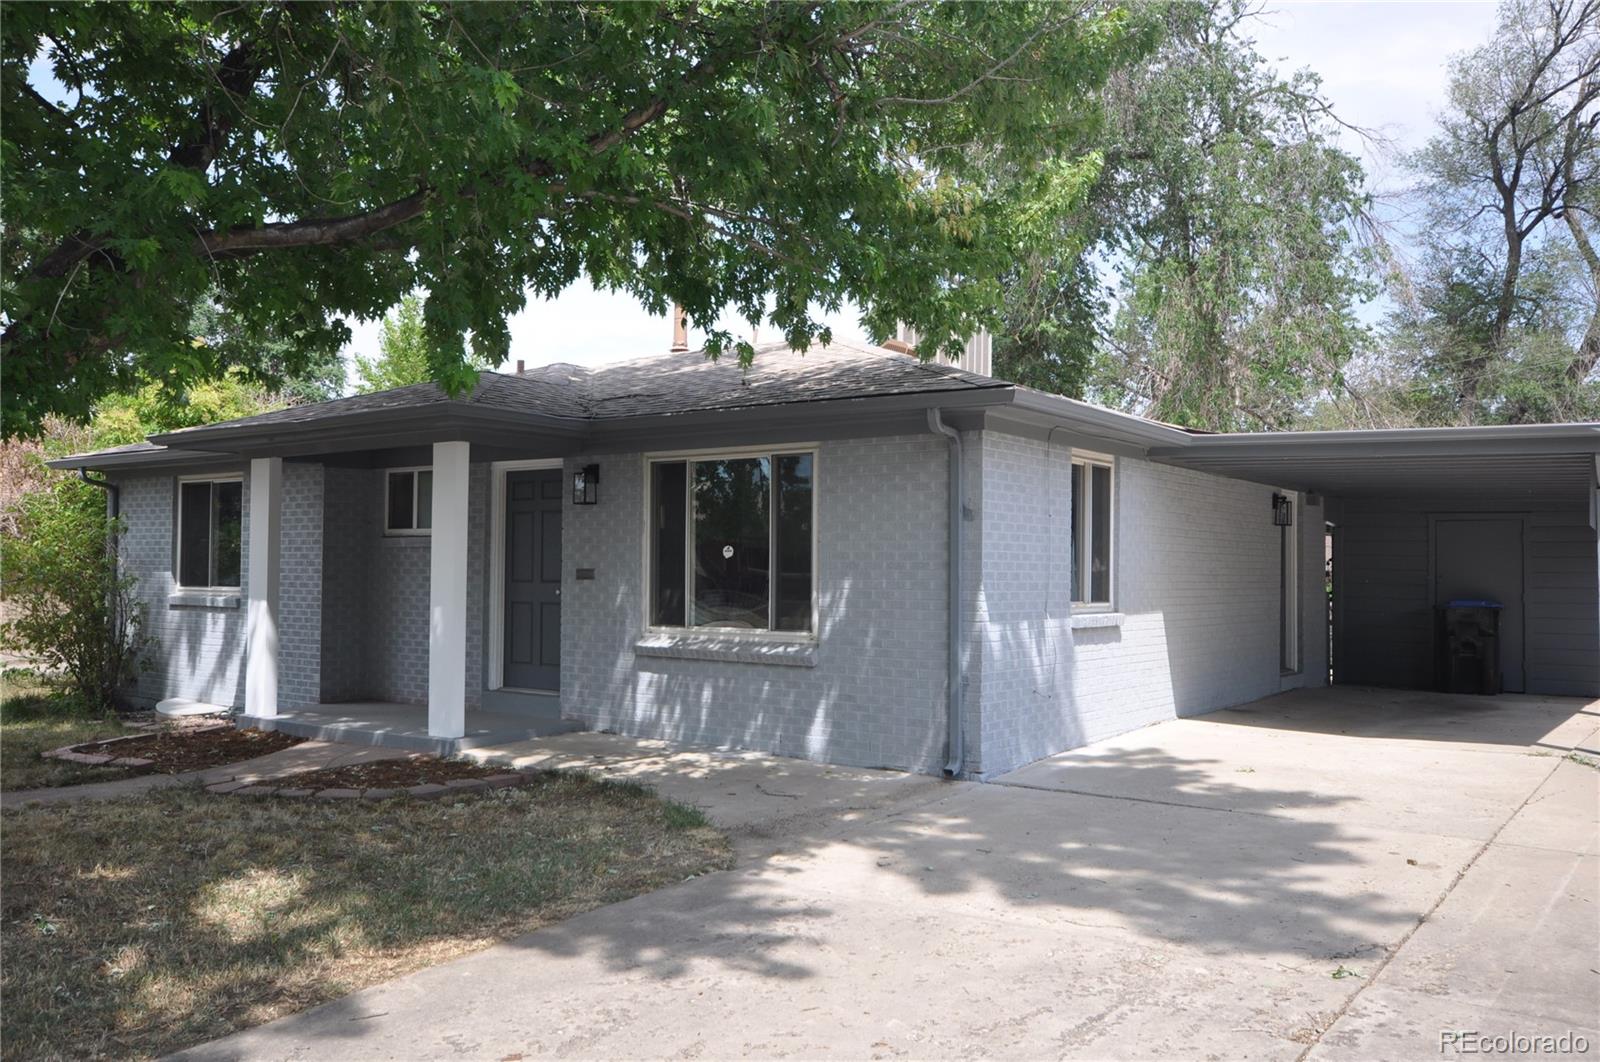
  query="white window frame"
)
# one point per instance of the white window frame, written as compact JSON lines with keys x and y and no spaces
{"x":1082,"y":560}
{"x":400,"y":532}
{"x":730,"y":633}
{"x":496,"y":646}
{"x":177,"y":533}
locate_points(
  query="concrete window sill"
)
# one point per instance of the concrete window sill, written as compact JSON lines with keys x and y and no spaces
{"x":203,"y":599}
{"x":1090,"y":620}
{"x":733,"y":650}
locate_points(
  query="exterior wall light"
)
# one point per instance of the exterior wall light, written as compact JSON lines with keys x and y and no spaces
{"x":586,"y":485}
{"x":1282,"y":510}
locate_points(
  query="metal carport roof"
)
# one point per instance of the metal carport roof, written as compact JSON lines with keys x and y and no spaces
{"x":1512,"y":459}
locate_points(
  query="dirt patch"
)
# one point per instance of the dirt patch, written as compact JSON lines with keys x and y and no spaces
{"x":189,"y":749}
{"x":393,"y":774}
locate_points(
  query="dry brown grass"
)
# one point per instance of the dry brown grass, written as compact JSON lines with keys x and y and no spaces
{"x":136,"y":927}
{"x":35,"y":718}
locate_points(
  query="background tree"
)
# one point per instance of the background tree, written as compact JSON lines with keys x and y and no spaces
{"x":1500,"y":317}
{"x":402,"y":356}
{"x":1212,"y":276}
{"x":309,"y":162}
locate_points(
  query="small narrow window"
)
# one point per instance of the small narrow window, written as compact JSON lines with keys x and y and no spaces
{"x":210,"y":533}
{"x":1091,"y":532}
{"x":791,"y":550}
{"x":408,"y":506}
{"x":1289,"y":595}
{"x":669,"y":494}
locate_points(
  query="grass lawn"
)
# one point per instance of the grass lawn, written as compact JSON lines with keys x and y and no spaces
{"x":136,"y":927}
{"x":35,"y":719}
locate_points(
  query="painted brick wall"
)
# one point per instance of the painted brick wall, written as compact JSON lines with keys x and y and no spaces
{"x":395,"y":646}
{"x":300,"y":586}
{"x":1196,"y":576}
{"x":876,"y":695}
{"x":198,"y":652}
{"x":395,"y":628}
{"x":477,"y":579}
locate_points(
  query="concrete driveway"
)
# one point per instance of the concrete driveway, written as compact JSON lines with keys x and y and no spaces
{"x":1324,"y":874}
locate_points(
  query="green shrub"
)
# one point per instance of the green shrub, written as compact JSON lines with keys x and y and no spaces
{"x":70,"y":608}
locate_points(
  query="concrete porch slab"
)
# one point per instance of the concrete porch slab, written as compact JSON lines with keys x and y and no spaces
{"x":405,"y":726}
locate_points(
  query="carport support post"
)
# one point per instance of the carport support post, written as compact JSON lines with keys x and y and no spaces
{"x":447,"y":611}
{"x":261,"y":622}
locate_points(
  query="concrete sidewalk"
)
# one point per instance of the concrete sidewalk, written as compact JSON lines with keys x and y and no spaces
{"x":306,"y":756}
{"x":1333,"y":875}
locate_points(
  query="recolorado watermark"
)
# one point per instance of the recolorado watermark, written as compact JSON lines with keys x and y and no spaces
{"x":1475,"y":1042}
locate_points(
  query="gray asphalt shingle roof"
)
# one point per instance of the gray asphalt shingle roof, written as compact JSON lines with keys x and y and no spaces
{"x":654,"y":386}
{"x":660,"y":385}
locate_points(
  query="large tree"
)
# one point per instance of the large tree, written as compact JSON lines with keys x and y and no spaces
{"x":1212,"y":275}
{"x":309,"y":161}
{"x":1500,"y":319}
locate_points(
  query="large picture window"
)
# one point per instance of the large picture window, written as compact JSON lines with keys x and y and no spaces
{"x":731,"y":543}
{"x":1091,"y":532}
{"x":210,"y":521}
{"x":408,"y":501}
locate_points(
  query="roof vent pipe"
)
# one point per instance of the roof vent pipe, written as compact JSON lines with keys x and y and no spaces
{"x":680,"y":330}
{"x":955,"y":732}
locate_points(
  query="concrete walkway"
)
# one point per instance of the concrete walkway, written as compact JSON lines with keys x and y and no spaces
{"x":1332,"y":874}
{"x":306,"y":756}
{"x":759,"y":800}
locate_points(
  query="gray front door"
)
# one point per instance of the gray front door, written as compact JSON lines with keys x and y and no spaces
{"x":533,"y":580}
{"x":1481,"y":558}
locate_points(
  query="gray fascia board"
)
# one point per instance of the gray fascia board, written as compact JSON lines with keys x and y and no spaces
{"x":356,"y":430}
{"x":1102,"y":423}
{"x":1392,"y":442}
{"x":142,"y":459}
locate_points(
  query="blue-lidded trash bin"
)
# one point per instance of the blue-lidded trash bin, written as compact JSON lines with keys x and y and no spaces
{"x":1469,"y":646}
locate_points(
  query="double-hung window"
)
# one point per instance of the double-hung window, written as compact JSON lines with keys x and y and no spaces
{"x":408,"y":501}
{"x":732,"y":543}
{"x":210,"y":522}
{"x":1091,"y":531}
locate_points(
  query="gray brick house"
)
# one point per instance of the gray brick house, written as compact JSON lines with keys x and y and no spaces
{"x":846,"y":555}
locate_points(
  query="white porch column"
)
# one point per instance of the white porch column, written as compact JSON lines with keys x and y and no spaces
{"x":447,"y":611}
{"x":261,"y":627}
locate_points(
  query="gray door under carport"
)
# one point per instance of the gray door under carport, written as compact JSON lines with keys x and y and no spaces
{"x":1481,"y":558}
{"x":533,"y":580}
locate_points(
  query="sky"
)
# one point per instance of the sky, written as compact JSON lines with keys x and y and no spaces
{"x":1383,"y":66}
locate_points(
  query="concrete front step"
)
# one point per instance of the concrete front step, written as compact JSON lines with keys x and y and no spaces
{"x":406,"y":727}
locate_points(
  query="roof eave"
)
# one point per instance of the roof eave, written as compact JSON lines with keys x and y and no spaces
{"x":1105,"y":423}
{"x":336,"y":433}
{"x":1411,"y":442}
{"x":133,"y":459}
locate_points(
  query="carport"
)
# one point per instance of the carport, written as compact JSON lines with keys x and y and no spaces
{"x":1420,"y":517}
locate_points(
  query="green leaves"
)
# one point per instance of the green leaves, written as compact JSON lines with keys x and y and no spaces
{"x":1202,"y":269}
{"x":312,"y":162}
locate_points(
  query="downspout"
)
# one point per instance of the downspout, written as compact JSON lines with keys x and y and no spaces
{"x":955,"y":742}
{"x":113,"y":510}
